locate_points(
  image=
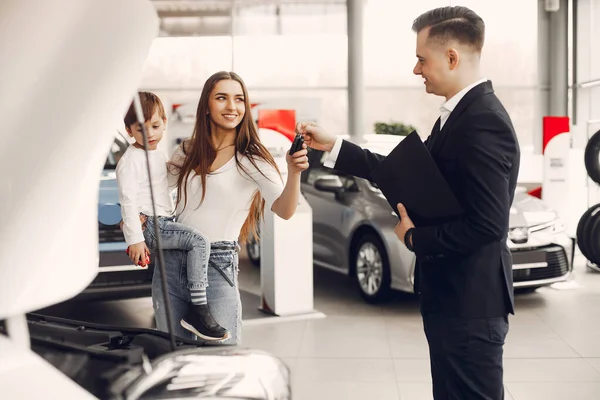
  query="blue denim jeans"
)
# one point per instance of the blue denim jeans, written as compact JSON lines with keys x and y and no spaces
{"x":222,"y":291}
{"x":177,"y":236}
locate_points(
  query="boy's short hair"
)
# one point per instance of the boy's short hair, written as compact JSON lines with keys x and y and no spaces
{"x":150,"y":104}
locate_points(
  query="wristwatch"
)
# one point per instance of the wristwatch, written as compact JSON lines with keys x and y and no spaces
{"x":407,"y":241}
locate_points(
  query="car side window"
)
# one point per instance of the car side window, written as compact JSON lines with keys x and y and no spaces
{"x":317,"y":169}
{"x":117,"y":149}
{"x":315,"y":173}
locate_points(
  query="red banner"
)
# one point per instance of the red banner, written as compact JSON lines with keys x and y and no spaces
{"x":283,"y":121}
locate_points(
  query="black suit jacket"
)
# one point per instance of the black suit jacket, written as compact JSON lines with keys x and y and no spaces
{"x":464,"y":266}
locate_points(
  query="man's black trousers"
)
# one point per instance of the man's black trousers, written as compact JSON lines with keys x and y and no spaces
{"x":466,"y":356}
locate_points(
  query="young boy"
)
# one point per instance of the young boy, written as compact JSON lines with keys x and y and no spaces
{"x":136,"y":201}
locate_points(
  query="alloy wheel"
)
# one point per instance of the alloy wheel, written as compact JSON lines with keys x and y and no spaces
{"x":369,"y":268}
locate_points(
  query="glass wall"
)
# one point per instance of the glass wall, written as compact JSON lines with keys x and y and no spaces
{"x":300,"y":51}
{"x":509,"y":60}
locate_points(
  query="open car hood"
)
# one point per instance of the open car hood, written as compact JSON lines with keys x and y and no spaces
{"x":65,"y":88}
{"x":132,"y":363}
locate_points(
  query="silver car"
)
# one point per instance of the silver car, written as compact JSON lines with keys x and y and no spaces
{"x":353,"y":232}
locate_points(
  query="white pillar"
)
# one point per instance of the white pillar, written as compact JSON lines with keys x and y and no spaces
{"x":355,"y":15}
{"x":543,"y":92}
{"x":558,"y":60}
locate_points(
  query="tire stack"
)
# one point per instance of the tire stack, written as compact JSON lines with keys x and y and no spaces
{"x":588,"y":228}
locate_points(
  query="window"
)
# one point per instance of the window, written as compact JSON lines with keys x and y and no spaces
{"x":276,"y":61}
{"x":317,"y":170}
{"x":184,"y":63}
{"x":394,"y":94}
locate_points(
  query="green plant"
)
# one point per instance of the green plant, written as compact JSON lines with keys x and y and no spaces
{"x":393,"y":128}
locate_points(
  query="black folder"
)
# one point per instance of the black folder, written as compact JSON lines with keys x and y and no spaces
{"x":410,"y":176}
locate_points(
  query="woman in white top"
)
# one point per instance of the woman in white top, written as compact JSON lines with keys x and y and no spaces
{"x":224,"y":177}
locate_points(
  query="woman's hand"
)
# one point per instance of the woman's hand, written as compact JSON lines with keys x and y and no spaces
{"x":298,"y":161}
{"x":285,"y":205}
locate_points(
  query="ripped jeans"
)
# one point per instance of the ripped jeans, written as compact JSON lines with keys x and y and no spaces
{"x":177,"y":236}
{"x":222,"y":291}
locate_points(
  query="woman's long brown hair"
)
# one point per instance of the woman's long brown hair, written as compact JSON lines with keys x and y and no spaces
{"x":201,"y":153}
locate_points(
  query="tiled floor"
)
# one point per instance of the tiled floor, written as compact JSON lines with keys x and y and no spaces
{"x":365,"y":352}
{"x":360,"y":351}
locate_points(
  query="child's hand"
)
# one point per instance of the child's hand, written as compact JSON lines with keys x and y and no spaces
{"x":139,"y":254}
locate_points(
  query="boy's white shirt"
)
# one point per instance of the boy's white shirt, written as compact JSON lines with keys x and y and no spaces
{"x":134,"y":189}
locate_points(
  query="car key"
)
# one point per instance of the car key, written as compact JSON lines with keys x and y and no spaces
{"x":297,"y":144}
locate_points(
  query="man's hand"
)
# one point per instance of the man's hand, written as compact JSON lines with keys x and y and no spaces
{"x":298,"y":161}
{"x":139,"y":254}
{"x":403,"y":225}
{"x":315,"y":136}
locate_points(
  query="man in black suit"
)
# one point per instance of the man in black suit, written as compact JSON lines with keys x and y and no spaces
{"x":464,"y":266}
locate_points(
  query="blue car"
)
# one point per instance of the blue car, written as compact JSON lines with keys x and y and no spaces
{"x":117,"y":278}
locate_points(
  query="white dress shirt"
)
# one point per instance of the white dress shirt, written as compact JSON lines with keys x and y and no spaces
{"x":449,"y":106}
{"x":445,"y":111}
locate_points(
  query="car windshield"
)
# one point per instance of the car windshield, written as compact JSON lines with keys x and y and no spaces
{"x":117,"y":149}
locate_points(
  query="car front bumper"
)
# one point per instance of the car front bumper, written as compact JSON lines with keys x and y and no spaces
{"x":542,"y":264}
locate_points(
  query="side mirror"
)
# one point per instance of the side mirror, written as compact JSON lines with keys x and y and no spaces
{"x":329,"y":183}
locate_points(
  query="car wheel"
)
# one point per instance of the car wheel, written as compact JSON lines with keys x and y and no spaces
{"x":584,"y":231}
{"x":593,"y":239}
{"x":592,"y":157}
{"x":253,"y":251}
{"x":371,"y":269}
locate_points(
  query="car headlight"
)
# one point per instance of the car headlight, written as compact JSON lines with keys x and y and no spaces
{"x":518,"y":235}
{"x":552,"y":227}
{"x":211,"y":374}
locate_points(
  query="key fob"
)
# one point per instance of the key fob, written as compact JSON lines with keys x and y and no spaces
{"x":297,"y":144}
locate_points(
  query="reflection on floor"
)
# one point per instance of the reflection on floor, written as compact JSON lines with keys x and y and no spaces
{"x":361,"y":351}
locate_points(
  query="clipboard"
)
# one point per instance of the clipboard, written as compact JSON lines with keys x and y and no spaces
{"x":410,"y":176}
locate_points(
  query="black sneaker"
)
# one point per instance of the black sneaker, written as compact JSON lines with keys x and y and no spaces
{"x":200,"y":322}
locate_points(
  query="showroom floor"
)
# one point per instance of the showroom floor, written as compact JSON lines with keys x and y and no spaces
{"x":379,"y":352}
{"x":360,"y":351}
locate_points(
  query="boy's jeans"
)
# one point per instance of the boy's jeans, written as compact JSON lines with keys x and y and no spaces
{"x":176,"y":236}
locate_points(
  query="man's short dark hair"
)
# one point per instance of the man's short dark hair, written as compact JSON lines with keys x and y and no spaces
{"x":453,"y":23}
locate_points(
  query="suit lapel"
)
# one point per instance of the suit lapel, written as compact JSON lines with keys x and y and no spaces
{"x":459,"y":110}
{"x":434,"y":134}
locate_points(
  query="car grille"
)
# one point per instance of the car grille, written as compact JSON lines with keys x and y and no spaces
{"x":558,"y":265}
{"x":110,"y":235}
